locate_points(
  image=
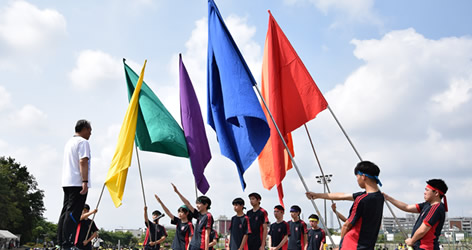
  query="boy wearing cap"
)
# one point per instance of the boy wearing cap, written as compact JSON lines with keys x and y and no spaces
{"x":258,"y":219}
{"x":155,"y":233}
{"x":183,"y":226}
{"x":279,"y":231}
{"x":298,"y":230}
{"x":429,"y":224}
{"x":82,"y":229}
{"x":204,"y":225}
{"x":239,"y":227}
{"x":316,"y":235}
{"x":361,"y":229}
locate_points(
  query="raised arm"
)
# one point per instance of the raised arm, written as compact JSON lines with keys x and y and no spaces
{"x":401,"y":205}
{"x":166,"y":210}
{"x":329,"y":196}
{"x":340,"y":216}
{"x":146,"y":218}
{"x":86,"y":215}
{"x":184,"y":200}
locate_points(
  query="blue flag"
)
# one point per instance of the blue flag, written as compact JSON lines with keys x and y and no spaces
{"x":234,"y":111}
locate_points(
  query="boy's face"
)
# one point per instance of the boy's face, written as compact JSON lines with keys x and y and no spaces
{"x":254,"y":201}
{"x":278,"y":214}
{"x":294,"y":215}
{"x":237,"y":208}
{"x":429,"y":194}
{"x":154,"y":217}
{"x":361,"y":180}
{"x":182,"y":215}
{"x":84,"y":211}
{"x":313,"y":224}
{"x":201,"y":207}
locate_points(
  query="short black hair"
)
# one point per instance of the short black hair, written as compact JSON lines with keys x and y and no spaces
{"x":295,"y":208}
{"x":314,"y":216}
{"x":81,"y":124}
{"x":87,"y":207}
{"x":279,"y":207}
{"x":238,"y":201}
{"x":255,"y":195}
{"x":204,"y":200}
{"x":156,"y":212}
{"x":367,"y":167}
{"x":439,"y":184}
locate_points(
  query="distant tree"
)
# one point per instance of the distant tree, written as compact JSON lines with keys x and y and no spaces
{"x":21,"y":202}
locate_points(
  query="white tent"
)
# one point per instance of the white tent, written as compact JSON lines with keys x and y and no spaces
{"x":5,"y":234}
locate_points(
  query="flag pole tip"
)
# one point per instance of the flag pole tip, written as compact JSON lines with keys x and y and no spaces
{"x":124,"y":59}
{"x":269,"y":12}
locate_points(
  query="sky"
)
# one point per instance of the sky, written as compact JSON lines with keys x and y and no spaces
{"x":396,"y":74}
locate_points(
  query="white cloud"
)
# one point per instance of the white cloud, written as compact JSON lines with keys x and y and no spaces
{"x":345,"y":10}
{"x":458,"y":93}
{"x":28,"y":116}
{"x":23,"y":26}
{"x":94,"y":68}
{"x":4,"y":98}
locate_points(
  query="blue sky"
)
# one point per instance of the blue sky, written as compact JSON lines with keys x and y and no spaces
{"x":396,"y":73}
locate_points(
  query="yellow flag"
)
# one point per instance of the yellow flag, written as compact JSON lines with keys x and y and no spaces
{"x":116,"y":177}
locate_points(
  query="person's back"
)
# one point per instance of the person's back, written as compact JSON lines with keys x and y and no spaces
{"x":366,"y":217}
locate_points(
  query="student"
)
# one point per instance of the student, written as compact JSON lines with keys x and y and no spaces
{"x":279,"y":231}
{"x":204,"y":225}
{"x":429,"y":224}
{"x":361,"y":229}
{"x":298,"y":230}
{"x":316,"y":235}
{"x":155,"y":233}
{"x":82,"y":229}
{"x":239,"y":227}
{"x":183,"y":226}
{"x":258,"y":219}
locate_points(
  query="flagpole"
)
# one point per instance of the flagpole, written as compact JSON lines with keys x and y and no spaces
{"x":321,"y":169}
{"x":93,"y":217}
{"x":294,"y":164}
{"x":402,"y":230}
{"x":140,"y":175}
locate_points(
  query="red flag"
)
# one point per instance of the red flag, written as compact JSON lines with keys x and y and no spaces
{"x":293,"y":99}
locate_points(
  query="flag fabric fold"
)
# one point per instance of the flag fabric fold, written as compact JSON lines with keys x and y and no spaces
{"x":234,"y":111}
{"x":156,"y":129}
{"x":116,"y":177}
{"x":194,"y":129}
{"x":293,"y":99}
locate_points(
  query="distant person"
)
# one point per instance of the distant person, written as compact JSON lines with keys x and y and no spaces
{"x":239,"y":227}
{"x":204,"y":225}
{"x":81,"y":242}
{"x":279,"y":231}
{"x":298,"y":230}
{"x":183,"y":226}
{"x":316,"y":235}
{"x":432,"y":212}
{"x":361,"y":229}
{"x":75,"y":182}
{"x":155,"y":233}
{"x":258,"y":219}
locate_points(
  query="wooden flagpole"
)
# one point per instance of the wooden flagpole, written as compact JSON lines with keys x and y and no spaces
{"x":294,"y":164}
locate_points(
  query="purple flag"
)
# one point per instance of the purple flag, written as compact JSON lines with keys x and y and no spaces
{"x":194,"y":130}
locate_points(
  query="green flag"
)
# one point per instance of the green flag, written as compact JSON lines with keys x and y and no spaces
{"x":156,"y":129}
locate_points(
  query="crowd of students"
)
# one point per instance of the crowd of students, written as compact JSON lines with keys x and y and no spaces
{"x":251,"y":230}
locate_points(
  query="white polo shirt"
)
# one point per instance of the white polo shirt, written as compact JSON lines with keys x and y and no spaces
{"x":76,"y":148}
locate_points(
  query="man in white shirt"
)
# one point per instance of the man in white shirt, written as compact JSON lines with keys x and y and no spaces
{"x":75,"y":183}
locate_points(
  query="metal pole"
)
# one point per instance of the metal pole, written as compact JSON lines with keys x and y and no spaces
{"x":93,"y":217}
{"x":293,"y":161}
{"x":140,"y":175}
{"x":360,"y":158}
{"x":321,"y":169}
